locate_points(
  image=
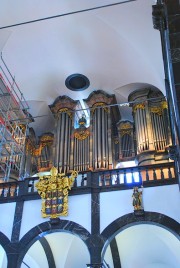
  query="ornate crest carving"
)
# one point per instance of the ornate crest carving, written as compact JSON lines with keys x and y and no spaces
{"x":82,"y":134}
{"x":53,"y":190}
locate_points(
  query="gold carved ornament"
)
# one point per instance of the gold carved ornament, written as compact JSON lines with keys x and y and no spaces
{"x":99,"y":105}
{"x":137,"y":199}
{"x":164,"y":105}
{"x":46,"y":140}
{"x":156,"y":110}
{"x":123,"y":132}
{"x":138,"y":106}
{"x":67,"y":111}
{"x":82,"y":134}
{"x":53,"y":190}
{"x":125,"y":126}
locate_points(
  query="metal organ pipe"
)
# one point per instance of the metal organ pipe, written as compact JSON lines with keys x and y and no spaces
{"x":57,"y":142}
{"x":65,"y":142}
{"x":154,"y":131}
{"x":103,"y":141}
{"x":106,"y":140}
{"x":95,"y":140}
{"x":99,"y":134}
{"x":143,"y":136}
{"x":137,"y":125}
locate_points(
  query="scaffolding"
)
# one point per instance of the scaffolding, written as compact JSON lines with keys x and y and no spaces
{"x":13,"y":126}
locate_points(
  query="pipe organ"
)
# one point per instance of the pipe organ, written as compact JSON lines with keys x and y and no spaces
{"x":160,"y":126}
{"x":151,"y":123}
{"x":101,"y":127}
{"x":126,"y":140}
{"x":64,"y":122}
{"x":81,"y":148}
{"x":108,"y":139}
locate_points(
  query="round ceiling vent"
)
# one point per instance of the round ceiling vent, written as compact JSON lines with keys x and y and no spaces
{"x":77,"y":82}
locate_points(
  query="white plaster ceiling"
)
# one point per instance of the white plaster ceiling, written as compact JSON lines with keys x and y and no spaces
{"x":115,"y":47}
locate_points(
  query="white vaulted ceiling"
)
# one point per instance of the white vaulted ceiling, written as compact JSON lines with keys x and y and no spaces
{"x":115,"y":47}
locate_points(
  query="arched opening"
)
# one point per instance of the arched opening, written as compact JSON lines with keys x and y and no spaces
{"x":3,"y":258}
{"x":58,"y":249}
{"x":147,"y":241}
{"x":53,"y":241}
{"x":143,"y":245}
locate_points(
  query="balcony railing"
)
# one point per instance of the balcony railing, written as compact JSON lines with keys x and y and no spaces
{"x":102,"y":180}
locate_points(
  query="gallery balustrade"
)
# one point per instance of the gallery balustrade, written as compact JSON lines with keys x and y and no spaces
{"x":102,"y":180}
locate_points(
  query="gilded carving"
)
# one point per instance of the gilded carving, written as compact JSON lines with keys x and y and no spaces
{"x":137,"y":199}
{"x":65,"y":110}
{"x":81,"y":134}
{"x":138,"y":106}
{"x":156,"y":110}
{"x":53,"y":190}
{"x":99,"y":105}
{"x":125,"y":126}
{"x":128,"y":132}
{"x":46,"y":140}
{"x":164,"y":105}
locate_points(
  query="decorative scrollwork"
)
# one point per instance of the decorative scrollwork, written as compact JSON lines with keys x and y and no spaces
{"x":53,"y":190}
{"x":65,"y":110}
{"x":164,"y":105}
{"x":125,"y":126}
{"x":156,"y":110}
{"x":82,"y":134}
{"x":128,"y":132}
{"x":138,"y":106}
{"x":46,"y":140}
{"x":99,"y":105}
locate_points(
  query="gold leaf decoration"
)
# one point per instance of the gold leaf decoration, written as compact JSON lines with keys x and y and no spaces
{"x":53,"y":190}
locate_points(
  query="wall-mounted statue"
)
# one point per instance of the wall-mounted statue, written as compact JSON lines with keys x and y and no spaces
{"x":137,"y":199}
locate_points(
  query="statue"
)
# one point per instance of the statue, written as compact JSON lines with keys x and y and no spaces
{"x":53,"y":190}
{"x":137,"y":199}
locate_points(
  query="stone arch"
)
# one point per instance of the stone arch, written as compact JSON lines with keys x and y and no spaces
{"x":48,"y":227}
{"x":5,"y":243}
{"x":130,"y":219}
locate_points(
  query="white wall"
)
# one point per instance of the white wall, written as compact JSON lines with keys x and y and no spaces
{"x":31,"y":216}
{"x":79,"y":212}
{"x":162,"y":199}
{"x":7,"y":218}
